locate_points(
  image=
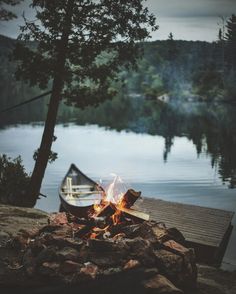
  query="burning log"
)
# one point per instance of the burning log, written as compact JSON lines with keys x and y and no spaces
{"x":112,"y":216}
{"x":93,"y":221}
{"x":100,"y":218}
{"x":129,"y":198}
{"x":137,"y":215}
{"x":108,"y":210}
{"x":84,"y":231}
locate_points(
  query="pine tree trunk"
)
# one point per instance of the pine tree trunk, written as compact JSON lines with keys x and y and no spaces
{"x":48,"y":133}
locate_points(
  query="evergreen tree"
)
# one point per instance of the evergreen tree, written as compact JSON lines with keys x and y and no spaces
{"x":172,"y":51}
{"x":220,"y":38}
{"x":221,"y":47}
{"x":230,"y":37}
{"x":170,"y":36}
{"x":81,"y":44}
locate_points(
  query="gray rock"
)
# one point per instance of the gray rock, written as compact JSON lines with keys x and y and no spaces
{"x":68,"y":253}
{"x":161,"y":285}
{"x":15,"y":219}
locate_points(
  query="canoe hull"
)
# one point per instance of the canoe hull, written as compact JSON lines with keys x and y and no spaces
{"x":79,"y":211}
{"x":81,"y":206}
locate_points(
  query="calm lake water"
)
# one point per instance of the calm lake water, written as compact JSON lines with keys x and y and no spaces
{"x":185,"y":177}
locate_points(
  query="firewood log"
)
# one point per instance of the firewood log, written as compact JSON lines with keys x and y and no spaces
{"x":129,"y":198}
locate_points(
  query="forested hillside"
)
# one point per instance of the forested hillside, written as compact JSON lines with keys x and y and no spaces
{"x":185,"y":70}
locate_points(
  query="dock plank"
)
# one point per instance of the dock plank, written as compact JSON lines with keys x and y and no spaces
{"x":201,"y":226}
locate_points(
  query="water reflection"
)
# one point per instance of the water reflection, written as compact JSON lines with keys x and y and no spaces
{"x":211,"y":127}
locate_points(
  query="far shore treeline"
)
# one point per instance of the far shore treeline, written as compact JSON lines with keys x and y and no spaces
{"x":185,"y":70}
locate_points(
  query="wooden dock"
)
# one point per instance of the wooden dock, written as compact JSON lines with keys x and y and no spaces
{"x":207,"y":230}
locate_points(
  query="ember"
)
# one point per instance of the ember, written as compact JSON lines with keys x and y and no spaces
{"x":111,"y":241}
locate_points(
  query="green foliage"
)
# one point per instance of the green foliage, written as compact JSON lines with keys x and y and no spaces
{"x":208,"y":81}
{"x":154,"y":87}
{"x":220,"y":36}
{"x":230,"y":37}
{"x":230,"y":34}
{"x":81,"y":45}
{"x":52,"y":156}
{"x":168,"y":66}
{"x":102,"y":37}
{"x":13,"y":180}
{"x":230,"y":84}
{"x":170,"y":36}
{"x":190,"y":71}
{"x":13,"y":92}
{"x":6,"y":14}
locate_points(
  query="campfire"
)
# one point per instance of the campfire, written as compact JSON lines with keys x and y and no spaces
{"x":113,"y":241}
{"x":110,"y":215}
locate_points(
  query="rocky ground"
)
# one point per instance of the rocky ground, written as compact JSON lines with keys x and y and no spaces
{"x":15,"y":221}
{"x":215,"y":281}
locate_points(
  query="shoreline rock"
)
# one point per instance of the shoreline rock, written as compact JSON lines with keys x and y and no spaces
{"x":15,"y":220}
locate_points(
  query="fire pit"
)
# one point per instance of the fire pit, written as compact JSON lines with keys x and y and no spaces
{"x":115,"y":247}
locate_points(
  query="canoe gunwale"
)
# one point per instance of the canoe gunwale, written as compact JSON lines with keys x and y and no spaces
{"x":75,"y":209}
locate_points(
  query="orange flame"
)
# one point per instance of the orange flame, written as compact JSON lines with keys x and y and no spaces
{"x":97,"y":208}
{"x":93,"y":236}
{"x":113,"y":194}
{"x":116,"y":217}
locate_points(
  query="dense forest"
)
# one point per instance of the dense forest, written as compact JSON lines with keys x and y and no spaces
{"x":185,"y":70}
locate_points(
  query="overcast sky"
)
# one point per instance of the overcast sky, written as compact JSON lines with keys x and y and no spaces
{"x":186,"y":19}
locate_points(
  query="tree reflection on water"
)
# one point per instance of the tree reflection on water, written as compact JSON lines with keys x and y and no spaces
{"x":211,"y":127}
